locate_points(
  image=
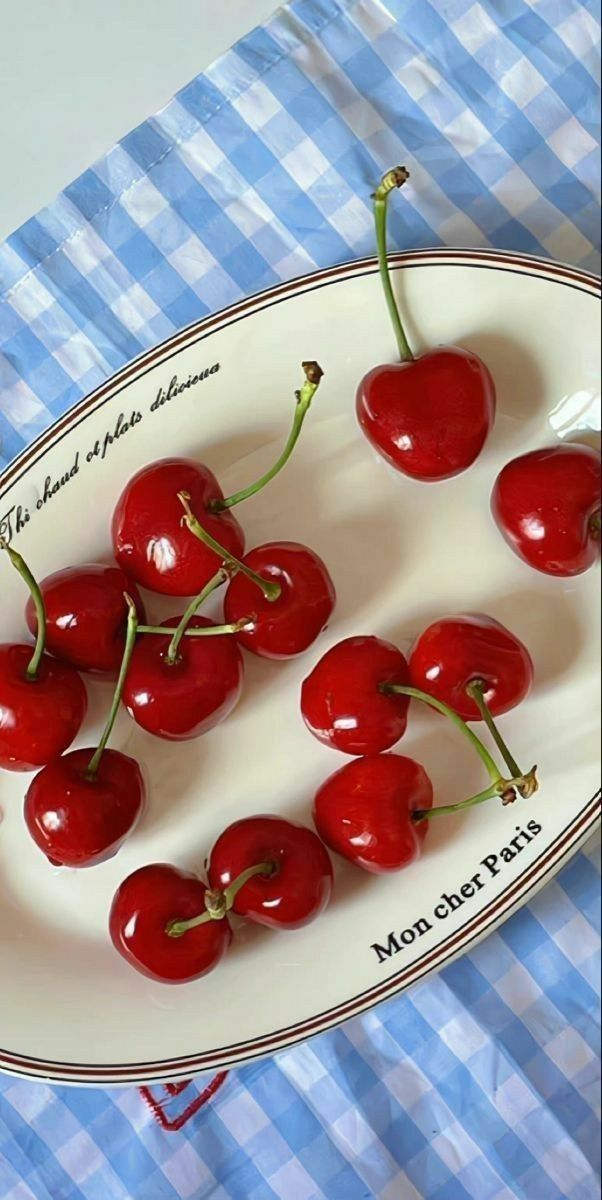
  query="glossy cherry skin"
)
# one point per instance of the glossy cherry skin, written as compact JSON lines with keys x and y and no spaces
{"x":187,"y":699}
{"x":143,"y":907}
{"x":86,"y":615}
{"x":364,"y":811}
{"x":341,"y":702}
{"x":79,"y":822}
{"x":297,"y":891}
{"x":547,"y":506}
{"x":149,"y":540}
{"x":429,"y":417}
{"x":457,"y":651}
{"x":287,"y":626}
{"x":39,"y":718}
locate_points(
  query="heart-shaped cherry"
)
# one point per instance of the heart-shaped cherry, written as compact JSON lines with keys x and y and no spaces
{"x":179,"y":687}
{"x":86,"y":615}
{"x":297,"y":886}
{"x":368,"y":811}
{"x":286,"y":624}
{"x":342,"y":701}
{"x":428,"y":416}
{"x":547,"y":505}
{"x":42,"y":702}
{"x":144,"y":910}
{"x":80,"y":808}
{"x":150,"y":541}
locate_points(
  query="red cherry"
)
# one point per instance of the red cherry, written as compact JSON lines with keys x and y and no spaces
{"x":150,"y":542}
{"x":458,"y":651}
{"x":341,"y":702}
{"x":429,"y":417}
{"x":547,"y":506}
{"x":144,"y":906}
{"x":86,"y":615}
{"x":299,"y":887}
{"x":284,"y":627}
{"x":364,"y":811}
{"x":187,"y":698}
{"x":42,"y":702}
{"x":40,"y":716}
{"x":79,"y":821}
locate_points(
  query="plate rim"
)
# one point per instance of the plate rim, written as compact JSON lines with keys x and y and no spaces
{"x":464,"y":937}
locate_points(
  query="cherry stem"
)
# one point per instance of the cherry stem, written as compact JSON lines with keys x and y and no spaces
{"x":220,"y":577}
{"x":130,"y":641}
{"x":595,"y":524}
{"x":20,"y":565}
{"x":395,"y":178}
{"x":209,"y":631}
{"x":271,"y":591}
{"x":507,"y":788}
{"x":217,"y":902}
{"x":476,"y":691}
{"x":304,"y":397}
{"x":488,"y":762}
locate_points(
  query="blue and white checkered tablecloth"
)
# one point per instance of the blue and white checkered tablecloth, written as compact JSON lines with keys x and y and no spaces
{"x":482,"y":1083}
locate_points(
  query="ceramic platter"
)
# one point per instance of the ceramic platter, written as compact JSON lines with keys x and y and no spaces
{"x":401,"y":554}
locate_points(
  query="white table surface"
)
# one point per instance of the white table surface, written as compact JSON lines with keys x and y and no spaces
{"x":76,"y":75}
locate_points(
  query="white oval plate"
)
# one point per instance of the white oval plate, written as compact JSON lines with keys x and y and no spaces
{"x":401,"y":554}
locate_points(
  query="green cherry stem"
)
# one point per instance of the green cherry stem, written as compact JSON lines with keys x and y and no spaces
{"x":130,"y":641}
{"x":395,"y":178}
{"x":476,"y":691}
{"x":217,"y":902}
{"x":220,"y":577}
{"x":271,"y":591}
{"x":507,"y":788}
{"x":20,"y":565}
{"x":482,"y":751}
{"x":209,"y":631}
{"x":304,"y":397}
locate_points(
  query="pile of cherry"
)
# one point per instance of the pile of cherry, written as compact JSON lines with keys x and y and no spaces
{"x":174,"y":533}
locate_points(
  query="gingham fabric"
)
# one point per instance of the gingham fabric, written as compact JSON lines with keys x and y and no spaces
{"x":480,"y":1084}
{"x":484,"y":1082}
{"x":262,"y":168}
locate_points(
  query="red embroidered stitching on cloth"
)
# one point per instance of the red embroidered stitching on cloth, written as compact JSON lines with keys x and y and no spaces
{"x":158,"y":1105}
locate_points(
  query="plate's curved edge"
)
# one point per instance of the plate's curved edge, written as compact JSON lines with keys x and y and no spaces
{"x":548,"y":863}
{"x":546,"y":866}
{"x":506,"y":260}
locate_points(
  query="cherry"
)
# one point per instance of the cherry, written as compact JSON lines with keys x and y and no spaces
{"x":342,"y":701}
{"x":150,"y":540}
{"x":79,"y":819}
{"x":184,"y":694}
{"x":286,"y":623}
{"x":428,"y":416}
{"x":296,"y":883}
{"x":547,"y":505}
{"x":143,"y":911}
{"x":368,"y":811}
{"x":375,"y":810}
{"x":457,"y":653}
{"x":86,"y":615}
{"x":472,"y":667}
{"x":80,"y":808}
{"x":42,"y":702}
